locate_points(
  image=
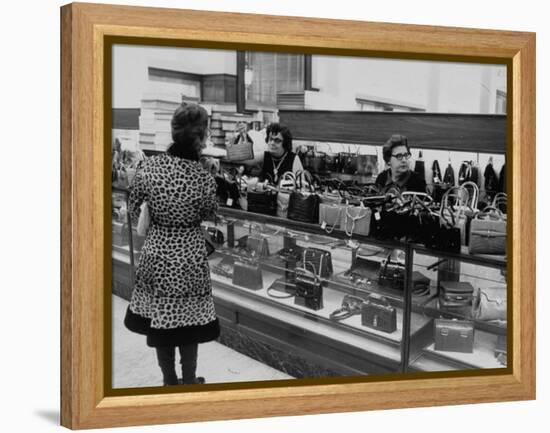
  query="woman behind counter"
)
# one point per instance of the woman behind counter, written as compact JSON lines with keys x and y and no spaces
{"x":172,"y":298}
{"x":279,"y":157}
{"x":396,"y":154}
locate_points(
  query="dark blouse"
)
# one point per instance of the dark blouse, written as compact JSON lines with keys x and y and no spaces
{"x":268,"y":165}
{"x":412,"y":182}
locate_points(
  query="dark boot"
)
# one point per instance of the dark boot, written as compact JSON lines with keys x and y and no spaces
{"x":166,"y":357}
{"x":188,"y":354}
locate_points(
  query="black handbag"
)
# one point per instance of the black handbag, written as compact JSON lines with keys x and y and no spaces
{"x":309,"y":288}
{"x":304,"y":207}
{"x":248,"y":275}
{"x":263,"y":202}
{"x":454,"y":335}
{"x":254,"y":245}
{"x":320,"y":259}
{"x":455,"y":293}
{"x":377,"y":313}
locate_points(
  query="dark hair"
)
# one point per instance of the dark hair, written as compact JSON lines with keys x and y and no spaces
{"x":275,"y":128}
{"x":189,"y":125}
{"x":395,"y":140}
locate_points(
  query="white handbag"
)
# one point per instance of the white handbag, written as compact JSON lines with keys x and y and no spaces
{"x":144,"y":220}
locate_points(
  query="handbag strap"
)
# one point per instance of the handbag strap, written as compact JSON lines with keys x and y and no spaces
{"x":354,"y":218}
{"x":488,"y":211}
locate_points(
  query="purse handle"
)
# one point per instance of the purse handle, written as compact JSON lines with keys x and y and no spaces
{"x":307,"y":175}
{"x":473,"y":198}
{"x":500,"y":198}
{"x":490,"y":210}
{"x":287,"y":175}
{"x":306,"y":262}
{"x":354,"y":218}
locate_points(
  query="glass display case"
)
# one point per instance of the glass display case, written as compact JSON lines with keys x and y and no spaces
{"x":316,"y":304}
{"x":468,"y":317}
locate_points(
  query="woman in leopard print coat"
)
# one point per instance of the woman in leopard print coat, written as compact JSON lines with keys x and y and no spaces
{"x":172,"y":298}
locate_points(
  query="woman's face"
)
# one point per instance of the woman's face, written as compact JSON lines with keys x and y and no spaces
{"x":275,"y":144}
{"x":399,"y":161}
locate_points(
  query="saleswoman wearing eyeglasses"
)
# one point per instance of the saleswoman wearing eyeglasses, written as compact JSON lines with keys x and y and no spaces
{"x":279,"y":157}
{"x":397,"y":154}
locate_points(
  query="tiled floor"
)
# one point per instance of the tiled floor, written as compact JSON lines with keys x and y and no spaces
{"x":135,"y":364}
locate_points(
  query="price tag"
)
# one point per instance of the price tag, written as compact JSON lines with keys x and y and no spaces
{"x":324,"y":225}
{"x":377,"y":216}
{"x":229,"y":202}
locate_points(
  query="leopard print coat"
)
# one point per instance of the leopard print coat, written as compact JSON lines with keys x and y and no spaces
{"x":172,"y":290}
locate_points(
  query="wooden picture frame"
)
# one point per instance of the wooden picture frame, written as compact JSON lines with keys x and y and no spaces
{"x":84,"y":219}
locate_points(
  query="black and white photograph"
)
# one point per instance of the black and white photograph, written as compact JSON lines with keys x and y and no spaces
{"x":280,"y":216}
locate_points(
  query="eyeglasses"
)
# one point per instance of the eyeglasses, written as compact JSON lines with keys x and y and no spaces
{"x":401,"y":156}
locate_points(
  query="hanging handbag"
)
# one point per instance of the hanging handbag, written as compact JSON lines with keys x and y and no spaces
{"x":377,"y":313}
{"x":491,"y":304}
{"x":454,"y":335}
{"x":455,"y":294}
{"x":318,"y":162}
{"x":248,"y":275}
{"x":488,"y":236}
{"x":309,"y":287}
{"x":241,"y":150}
{"x":144,"y":219}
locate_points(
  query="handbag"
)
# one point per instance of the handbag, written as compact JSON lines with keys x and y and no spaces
{"x":491,"y":304}
{"x":488,"y":236}
{"x":455,"y":293}
{"x":254,"y":245}
{"x":287,"y":184}
{"x":263,"y":202}
{"x":454,"y":335}
{"x":248,"y":275}
{"x":309,"y":288}
{"x":304,"y":207}
{"x":330,"y":215}
{"x":356,"y":219}
{"x":320,"y":259}
{"x":242,"y":150}
{"x":144,"y":220}
{"x":377,"y":313}
{"x":351,"y":305}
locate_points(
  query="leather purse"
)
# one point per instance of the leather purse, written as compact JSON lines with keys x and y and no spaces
{"x":242,"y":150}
{"x":488,"y":236}
{"x":263,"y":202}
{"x":351,"y":305}
{"x":455,"y":293}
{"x":320,"y":259}
{"x":454,"y":335}
{"x":304,"y":207}
{"x":356,"y":220}
{"x":248,"y":275}
{"x":377,"y":313}
{"x":309,"y":288}
{"x":491,"y":304}
{"x":330,"y":216}
{"x":254,"y":245}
